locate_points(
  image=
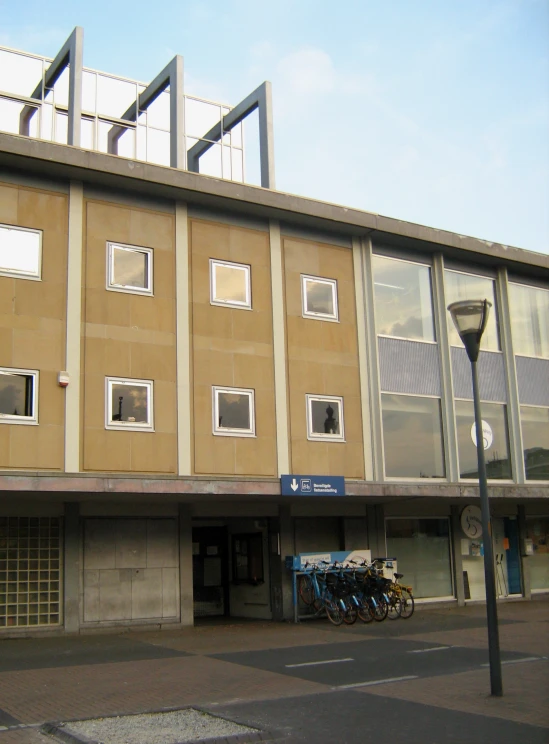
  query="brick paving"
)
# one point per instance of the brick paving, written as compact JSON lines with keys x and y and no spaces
{"x":89,"y":690}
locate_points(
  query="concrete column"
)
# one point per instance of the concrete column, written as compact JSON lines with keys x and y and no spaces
{"x":279,"y":350}
{"x":458,"y":560}
{"x":73,"y":331}
{"x":376,"y":530}
{"x":524,"y":559}
{"x":186,"y":564}
{"x":71,"y":570}
{"x":287,"y":547}
{"x":183,"y":339}
{"x":361,"y":314}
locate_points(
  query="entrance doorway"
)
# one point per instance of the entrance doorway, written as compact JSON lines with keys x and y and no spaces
{"x":210,"y":571}
{"x":507,"y":556}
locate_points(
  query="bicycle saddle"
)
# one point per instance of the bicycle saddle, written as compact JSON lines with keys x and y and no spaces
{"x":398,"y":575}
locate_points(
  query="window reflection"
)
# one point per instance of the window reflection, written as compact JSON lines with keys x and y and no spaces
{"x":230,"y":283}
{"x":535,"y":440}
{"x":233,"y":411}
{"x":319,"y":297}
{"x":16,"y":394}
{"x":20,"y":251}
{"x":403,"y":299}
{"x":325,"y":417}
{"x":130,"y":268}
{"x":496,"y":451}
{"x":529,"y":320}
{"x":412,"y":437}
{"x":129,"y":403}
{"x":460,"y":286}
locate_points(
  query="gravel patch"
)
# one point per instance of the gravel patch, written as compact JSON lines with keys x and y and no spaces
{"x":171,"y":727}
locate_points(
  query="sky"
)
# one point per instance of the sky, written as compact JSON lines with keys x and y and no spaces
{"x":430,"y":111}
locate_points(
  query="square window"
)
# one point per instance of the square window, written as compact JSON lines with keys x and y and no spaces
{"x":18,"y":396}
{"x":319,"y":298}
{"x":233,"y":412}
{"x":20,"y":252}
{"x":129,"y":404}
{"x":230,"y":284}
{"x":129,"y":268}
{"x":325,"y":418}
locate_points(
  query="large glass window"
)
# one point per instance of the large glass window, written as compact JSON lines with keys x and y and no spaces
{"x":529,"y":320}
{"x":412,"y":437}
{"x":129,"y":404}
{"x":18,"y":395}
{"x":460,"y":286}
{"x":403,"y":299}
{"x":129,"y":268}
{"x":233,"y":412}
{"x":496,"y":440}
{"x":20,"y":252}
{"x":422,"y":550}
{"x":537,"y":531}
{"x":535,"y":440}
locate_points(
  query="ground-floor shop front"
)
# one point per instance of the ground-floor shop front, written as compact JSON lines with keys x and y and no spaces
{"x":75,"y":566}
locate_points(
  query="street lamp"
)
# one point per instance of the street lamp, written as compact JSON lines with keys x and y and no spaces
{"x":470,"y":318}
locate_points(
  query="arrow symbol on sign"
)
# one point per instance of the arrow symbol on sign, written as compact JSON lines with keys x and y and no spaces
{"x":294,"y":485}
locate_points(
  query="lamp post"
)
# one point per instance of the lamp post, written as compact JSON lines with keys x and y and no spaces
{"x":470,"y":318}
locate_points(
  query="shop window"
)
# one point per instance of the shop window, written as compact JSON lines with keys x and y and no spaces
{"x":18,"y":396}
{"x":412,"y":437}
{"x":20,"y":252}
{"x":529,"y":308}
{"x":247,"y":559}
{"x":325,"y":418}
{"x":403,"y":302}
{"x":319,"y":298}
{"x":230,"y":284}
{"x":233,"y":412}
{"x":459,"y":286}
{"x":496,"y":440}
{"x":535,"y":441}
{"x":537,"y":536}
{"x":129,"y":404}
{"x":422,"y":550}
{"x":129,"y":269}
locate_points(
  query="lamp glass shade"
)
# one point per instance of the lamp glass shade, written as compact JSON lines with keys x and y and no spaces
{"x":470,"y":316}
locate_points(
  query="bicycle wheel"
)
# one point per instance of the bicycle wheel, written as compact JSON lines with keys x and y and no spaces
{"x":306,"y":589}
{"x":351,"y":614}
{"x":395,"y":606}
{"x":365,"y":612}
{"x":381,"y":609}
{"x":334,"y":612}
{"x":407,"y":605}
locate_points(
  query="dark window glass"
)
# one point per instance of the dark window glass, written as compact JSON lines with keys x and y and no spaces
{"x":326,"y":417}
{"x":412,"y":437}
{"x":130,"y":403}
{"x":248,"y":558}
{"x":234,"y":411}
{"x":16,"y":394}
{"x":535,"y":439}
{"x":496,"y":441}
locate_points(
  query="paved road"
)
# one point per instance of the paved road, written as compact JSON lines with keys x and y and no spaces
{"x":421,"y":680}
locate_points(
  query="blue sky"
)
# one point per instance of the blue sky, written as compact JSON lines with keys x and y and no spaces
{"x":434,"y":112}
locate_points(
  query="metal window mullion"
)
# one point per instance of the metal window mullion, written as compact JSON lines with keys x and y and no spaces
{"x":449,"y":432}
{"x":513,"y":402}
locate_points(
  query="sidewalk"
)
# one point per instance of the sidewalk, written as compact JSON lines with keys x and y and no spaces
{"x":53,"y":679}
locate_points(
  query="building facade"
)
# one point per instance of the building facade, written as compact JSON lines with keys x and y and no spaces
{"x":172,"y":343}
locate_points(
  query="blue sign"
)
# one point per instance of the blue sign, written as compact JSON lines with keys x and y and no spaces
{"x":312,"y":485}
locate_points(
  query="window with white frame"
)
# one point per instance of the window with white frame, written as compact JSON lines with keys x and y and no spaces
{"x":319,"y":298}
{"x":325,"y":418}
{"x":233,"y":412}
{"x":20,"y":252}
{"x":230,"y":284}
{"x":129,"y":269}
{"x":18,"y":396}
{"x":129,"y":404}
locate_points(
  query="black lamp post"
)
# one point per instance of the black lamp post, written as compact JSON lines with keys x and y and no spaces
{"x":470,"y":318}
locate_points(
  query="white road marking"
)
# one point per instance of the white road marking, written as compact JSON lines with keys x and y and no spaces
{"x":518,"y":661}
{"x":375,"y":682}
{"x":317,"y":663}
{"x":428,"y":650}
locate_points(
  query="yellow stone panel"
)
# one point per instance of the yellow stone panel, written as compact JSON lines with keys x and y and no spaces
{"x":151,"y":362}
{"x":108,"y":222}
{"x":255,"y":456}
{"x":153,"y":452}
{"x":45,"y":299}
{"x":9,"y":199}
{"x":37,"y":447}
{"x":215,"y":455}
{"x":107,"y":450}
{"x":42,"y":210}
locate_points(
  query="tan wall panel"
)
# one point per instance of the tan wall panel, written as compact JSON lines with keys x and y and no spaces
{"x":232,"y":347}
{"x":129,"y":336}
{"x":322,"y":359}
{"x":32,"y":327}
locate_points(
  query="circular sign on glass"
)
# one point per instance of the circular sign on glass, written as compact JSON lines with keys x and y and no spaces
{"x":487,"y":435}
{"x":471,"y":522}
